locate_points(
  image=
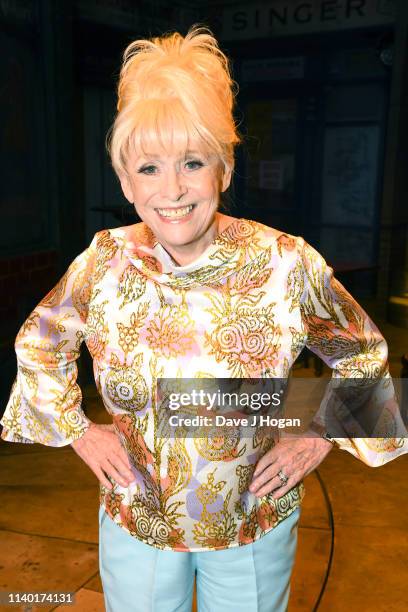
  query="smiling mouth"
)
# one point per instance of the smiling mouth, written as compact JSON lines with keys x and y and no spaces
{"x":175,"y":213}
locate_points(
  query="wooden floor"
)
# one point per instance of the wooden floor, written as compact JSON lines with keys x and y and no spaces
{"x":352,"y":538}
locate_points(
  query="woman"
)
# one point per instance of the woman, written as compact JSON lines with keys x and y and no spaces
{"x":187,"y":293}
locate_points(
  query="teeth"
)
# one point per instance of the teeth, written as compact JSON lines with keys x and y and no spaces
{"x":175,"y":212}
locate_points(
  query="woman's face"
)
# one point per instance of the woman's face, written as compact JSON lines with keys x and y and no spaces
{"x":177,"y":197}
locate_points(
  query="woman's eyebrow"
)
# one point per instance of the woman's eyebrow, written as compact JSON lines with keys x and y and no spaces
{"x":158,"y":158}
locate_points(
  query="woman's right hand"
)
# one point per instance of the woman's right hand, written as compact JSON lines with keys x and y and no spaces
{"x":103,"y":453}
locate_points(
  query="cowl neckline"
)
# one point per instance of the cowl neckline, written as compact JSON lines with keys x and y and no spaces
{"x":221,"y":258}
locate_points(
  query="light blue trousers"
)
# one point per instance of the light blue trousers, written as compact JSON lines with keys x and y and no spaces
{"x":255,"y":577}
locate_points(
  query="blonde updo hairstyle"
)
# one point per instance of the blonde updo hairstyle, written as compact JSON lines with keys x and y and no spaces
{"x":176,"y":93}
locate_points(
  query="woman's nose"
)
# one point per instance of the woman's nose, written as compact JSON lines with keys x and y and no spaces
{"x":173,"y":186}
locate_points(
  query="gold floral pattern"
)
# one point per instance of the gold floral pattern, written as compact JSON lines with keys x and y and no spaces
{"x":220,"y":444}
{"x":171,"y":331}
{"x":126,"y":389}
{"x":216,"y":529}
{"x":54,"y":296}
{"x":97,"y":330}
{"x":132,"y":285}
{"x":12,"y":420}
{"x":129,"y":334}
{"x":106,"y":248}
{"x":245,"y":308}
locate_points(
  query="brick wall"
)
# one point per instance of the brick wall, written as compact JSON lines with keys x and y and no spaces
{"x":24,"y":279}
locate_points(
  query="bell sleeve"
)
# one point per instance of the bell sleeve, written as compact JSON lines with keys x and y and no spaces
{"x":45,"y":400}
{"x":340,"y":332}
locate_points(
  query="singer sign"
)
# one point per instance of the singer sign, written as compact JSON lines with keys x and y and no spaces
{"x":282,"y":18}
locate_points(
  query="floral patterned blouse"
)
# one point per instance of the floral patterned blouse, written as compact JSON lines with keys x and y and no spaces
{"x":245,"y":308}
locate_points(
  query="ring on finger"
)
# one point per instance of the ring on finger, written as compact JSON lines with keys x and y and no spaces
{"x":282,"y":477}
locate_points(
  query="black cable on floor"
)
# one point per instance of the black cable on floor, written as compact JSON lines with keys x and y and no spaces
{"x":331,"y":522}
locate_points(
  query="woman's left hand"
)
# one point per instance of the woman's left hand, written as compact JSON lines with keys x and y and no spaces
{"x":296,"y":457}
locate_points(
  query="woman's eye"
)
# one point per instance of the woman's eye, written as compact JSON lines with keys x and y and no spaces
{"x":147,"y":170}
{"x":194,"y":163}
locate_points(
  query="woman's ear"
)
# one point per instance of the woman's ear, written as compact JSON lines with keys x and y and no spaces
{"x":126,"y":187}
{"x":226,"y":177}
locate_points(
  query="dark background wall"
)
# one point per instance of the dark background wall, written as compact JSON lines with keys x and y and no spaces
{"x":322,"y":107}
